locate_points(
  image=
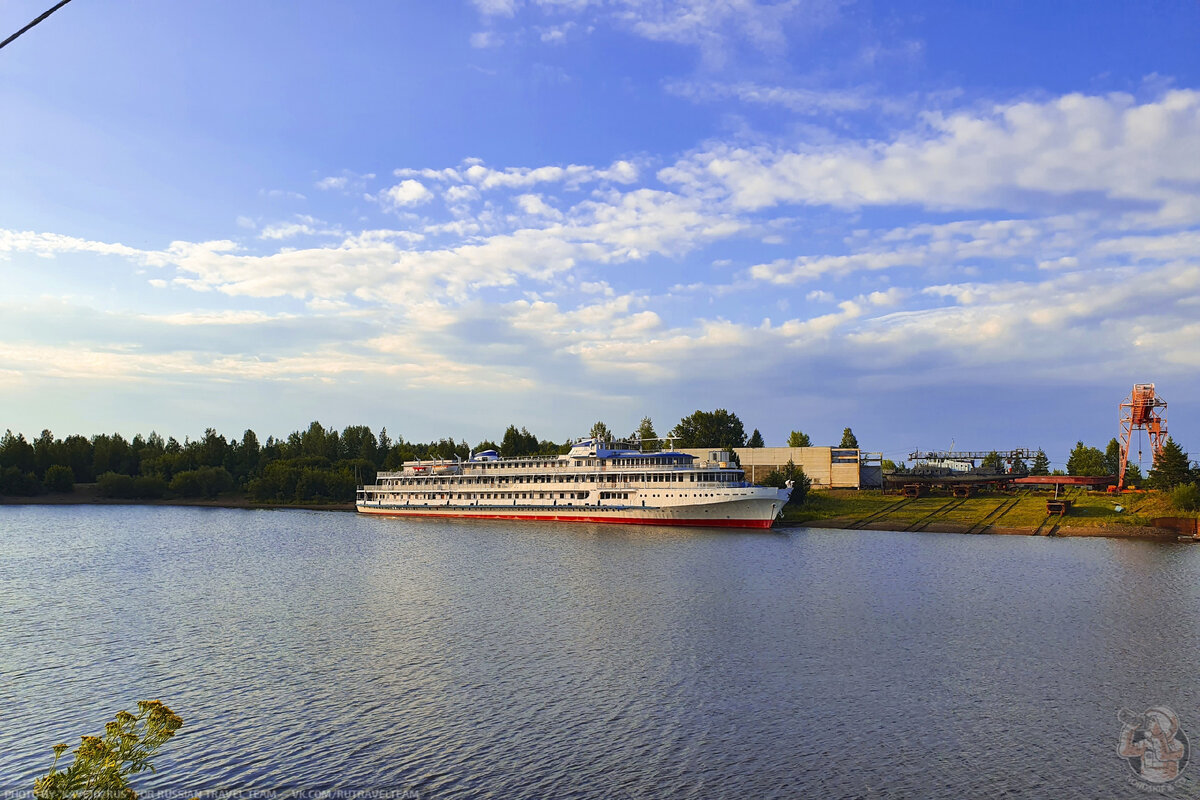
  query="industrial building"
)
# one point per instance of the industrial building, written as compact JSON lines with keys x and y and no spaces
{"x":826,"y":467}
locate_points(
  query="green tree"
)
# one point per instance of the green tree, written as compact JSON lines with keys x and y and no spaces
{"x":992,"y":462}
{"x":16,"y":452}
{"x":111,"y":454}
{"x":246,"y":456}
{"x":718,"y":428}
{"x":59,"y":478}
{"x":517,"y":443}
{"x":799,"y":439}
{"x":385,"y":446}
{"x":45,"y":452}
{"x":755,"y":440}
{"x":849,"y":439}
{"x":486,"y":444}
{"x":212,"y":449}
{"x":1133,"y":474}
{"x":790,"y":472}
{"x":1112,"y":457}
{"x":646,"y":430}
{"x":1019,"y":467}
{"x":600,"y":432}
{"x":1085,"y":460}
{"x":103,"y":764}
{"x":1041,"y":464}
{"x":1171,"y":468}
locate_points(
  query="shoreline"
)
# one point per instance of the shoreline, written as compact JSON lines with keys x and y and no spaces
{"x":240,"y":502}
{"x":87,"y":496}
{"x":1148,"y":532}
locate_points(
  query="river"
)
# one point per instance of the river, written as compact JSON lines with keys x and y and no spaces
{"x":442,"y":659}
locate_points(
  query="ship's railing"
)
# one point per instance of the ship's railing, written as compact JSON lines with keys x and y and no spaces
{"x":440,"y":486}
{"x":467,"y":471}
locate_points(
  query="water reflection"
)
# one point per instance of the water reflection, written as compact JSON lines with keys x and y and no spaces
{"x":309,"y":650}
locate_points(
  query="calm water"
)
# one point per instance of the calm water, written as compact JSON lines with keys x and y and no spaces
{"x":309,"y":650}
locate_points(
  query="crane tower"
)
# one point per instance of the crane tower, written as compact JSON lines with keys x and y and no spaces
{"x":1142,"y":410}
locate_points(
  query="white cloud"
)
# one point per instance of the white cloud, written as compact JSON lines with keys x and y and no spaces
{"x":535,"y":205}
{"x":1009,"y":157}
{"x":457,"y":195}
{"x":404,"y":194}
{"x":622,"y":172}
{"x":332,"y":183}
{"x":555,"y":34}
{"x":800,"y":100}
{"x":286,"y":230}
{"x":715,"y":27}
{"x":482,"y":40}
{"x":496,"y":8}
{"x":49,"y":244}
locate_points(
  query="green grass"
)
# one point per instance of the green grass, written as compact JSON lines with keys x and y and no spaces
{"x":1088,"y":508}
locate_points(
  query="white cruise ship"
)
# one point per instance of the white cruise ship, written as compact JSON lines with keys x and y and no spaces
{"x":595,"y":482}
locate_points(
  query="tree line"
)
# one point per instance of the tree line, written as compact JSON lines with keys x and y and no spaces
{"x":318,"y":464}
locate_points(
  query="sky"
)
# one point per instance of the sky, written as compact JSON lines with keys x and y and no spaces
{"x":969,"y":225}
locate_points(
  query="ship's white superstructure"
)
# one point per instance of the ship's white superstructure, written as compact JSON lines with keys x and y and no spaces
{"x":595,"y":482}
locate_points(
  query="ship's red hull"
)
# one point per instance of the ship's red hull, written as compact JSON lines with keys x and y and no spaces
{"x":608,"y":520}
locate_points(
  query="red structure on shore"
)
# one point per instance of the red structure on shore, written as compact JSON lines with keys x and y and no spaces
{"x":1142,"y":410}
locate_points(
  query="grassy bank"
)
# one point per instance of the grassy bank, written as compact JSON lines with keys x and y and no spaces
{"x":1093,"y":512}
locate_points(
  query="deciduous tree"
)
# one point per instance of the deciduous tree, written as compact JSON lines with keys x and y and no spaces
{"x":719,"y":428}
{"x":1086,"y":460}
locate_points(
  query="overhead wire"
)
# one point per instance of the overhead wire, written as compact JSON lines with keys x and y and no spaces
{"x":39,"y":18}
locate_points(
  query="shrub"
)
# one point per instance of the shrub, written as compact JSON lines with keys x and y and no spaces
{"x":15,"y":482}
{"x":102,"y":763}
{"x":204,"y":482}
{"x":126,"y":487}
{"x":116,"y":485}
{"x":1186,"y":497}
{"x":790,"y":472}
{"x":59,"y":478}
{"x":149,"y":486}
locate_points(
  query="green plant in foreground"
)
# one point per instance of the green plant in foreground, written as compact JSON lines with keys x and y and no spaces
{"x":102,"y":763}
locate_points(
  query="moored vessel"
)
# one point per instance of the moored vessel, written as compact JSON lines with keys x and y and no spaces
{"x":596,"y":481}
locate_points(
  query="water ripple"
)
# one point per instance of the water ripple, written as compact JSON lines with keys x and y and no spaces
{"x":323,"y":651}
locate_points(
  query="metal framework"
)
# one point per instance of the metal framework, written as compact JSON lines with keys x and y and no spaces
{"x":971,"y":455}
{"x":1142,"y":410}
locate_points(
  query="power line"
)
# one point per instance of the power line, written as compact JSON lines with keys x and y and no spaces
{"x":44,"y":14}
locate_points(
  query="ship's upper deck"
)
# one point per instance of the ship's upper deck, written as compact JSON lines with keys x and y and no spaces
{"x":588,"y":455}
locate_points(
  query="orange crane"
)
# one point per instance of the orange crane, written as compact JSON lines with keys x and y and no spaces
{"x":1142,"y":410}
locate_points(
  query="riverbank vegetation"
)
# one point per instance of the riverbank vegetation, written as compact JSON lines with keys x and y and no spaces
{"x":318,"y":465}
{"x":321,"y":465}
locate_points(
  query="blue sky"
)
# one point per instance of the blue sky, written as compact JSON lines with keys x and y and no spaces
{"x":975,"y":223}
